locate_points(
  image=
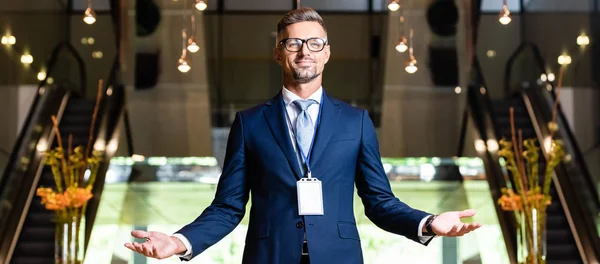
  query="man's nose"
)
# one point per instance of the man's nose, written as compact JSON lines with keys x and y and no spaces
{"x":304,"y":49}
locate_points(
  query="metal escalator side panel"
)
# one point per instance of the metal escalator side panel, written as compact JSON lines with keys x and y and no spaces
{"x":574,"y":189}
{"x":28,"y":175}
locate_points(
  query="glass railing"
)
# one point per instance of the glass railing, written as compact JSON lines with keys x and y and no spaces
{"x":155,"y":194}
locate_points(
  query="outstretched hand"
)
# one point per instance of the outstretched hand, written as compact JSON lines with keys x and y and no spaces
{"x":157,"y":245}
{"x":449,"y":223}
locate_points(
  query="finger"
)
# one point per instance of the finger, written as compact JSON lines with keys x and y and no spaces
{"x":147,"y":249}
{"x":130,"y":246}
{"x":139,"y":248}
{"x":453,"y":230}
{"x":467,"y":213}
{"x":140,"y":234}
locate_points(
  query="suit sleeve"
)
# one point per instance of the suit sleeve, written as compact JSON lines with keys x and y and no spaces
{"x":381,"y":207}
{"x":229,"y":205}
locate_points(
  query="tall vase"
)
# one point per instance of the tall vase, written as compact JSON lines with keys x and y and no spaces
{"x":531,"y":236}
{"x":69,"y":239}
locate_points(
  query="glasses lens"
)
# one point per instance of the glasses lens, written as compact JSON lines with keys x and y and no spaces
{"x":293,"y":44}
{"x":315,"y":44}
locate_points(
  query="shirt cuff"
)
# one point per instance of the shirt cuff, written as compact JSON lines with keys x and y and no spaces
{"x":420,"y":235}
{"x":188,"y":247}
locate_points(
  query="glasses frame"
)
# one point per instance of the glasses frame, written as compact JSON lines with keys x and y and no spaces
{"x":304,"y":41}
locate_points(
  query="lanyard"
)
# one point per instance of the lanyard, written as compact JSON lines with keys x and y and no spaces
{"x":293,"y":128}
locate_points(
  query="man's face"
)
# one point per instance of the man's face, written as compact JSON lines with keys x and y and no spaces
{"x":303,"y":52}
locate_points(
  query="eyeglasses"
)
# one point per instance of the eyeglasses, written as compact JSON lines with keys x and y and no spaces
{"x":295,"y":44}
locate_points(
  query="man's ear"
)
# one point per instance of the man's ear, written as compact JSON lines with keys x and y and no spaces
{"x":327,"y":51}
{"x":277,"y":55}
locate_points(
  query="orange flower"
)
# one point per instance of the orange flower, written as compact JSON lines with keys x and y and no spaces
{"x":78,"y":196}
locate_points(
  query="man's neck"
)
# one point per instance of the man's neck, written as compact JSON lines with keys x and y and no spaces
{"x":303,"y":90}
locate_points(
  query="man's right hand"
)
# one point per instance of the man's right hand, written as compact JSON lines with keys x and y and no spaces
{"x":157,"y":245}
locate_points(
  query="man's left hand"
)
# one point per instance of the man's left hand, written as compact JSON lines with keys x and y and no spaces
{"x":449,"y":223}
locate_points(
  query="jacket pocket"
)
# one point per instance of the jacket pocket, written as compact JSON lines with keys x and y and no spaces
{"x":348,"y":231}
{"x":342,"y":137}
{"x":259,"y":231}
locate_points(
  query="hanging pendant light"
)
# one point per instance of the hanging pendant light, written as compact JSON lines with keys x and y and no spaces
{"x":410,"y":65}
{"x":90,"y":16}
{"x":401,"y":45}
{"x":201,"y":5}
{"x":504,"y":16}
{"x":183,"y":64}
{"x":192,"y":45}
{"x":393,"y":5}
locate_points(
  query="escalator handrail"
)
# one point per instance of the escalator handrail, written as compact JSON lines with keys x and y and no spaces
{"x":539,"y":62}
{"x":574,"y":203}
{"x":482,"y":115}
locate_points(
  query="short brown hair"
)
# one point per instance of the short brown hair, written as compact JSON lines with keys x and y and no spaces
{"x":303,"y":14}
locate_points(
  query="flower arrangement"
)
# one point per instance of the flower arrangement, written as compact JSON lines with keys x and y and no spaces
{"x":74,"y":172}
{"x":530,"y":195}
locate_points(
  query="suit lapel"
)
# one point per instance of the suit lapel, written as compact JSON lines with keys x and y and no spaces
{"x":330,"y":115}
{"x":275,"y":116}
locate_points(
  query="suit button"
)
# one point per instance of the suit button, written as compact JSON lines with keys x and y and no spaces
{"x":299,"y":225}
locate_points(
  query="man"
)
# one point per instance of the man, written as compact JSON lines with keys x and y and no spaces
{"x":300,"y":155}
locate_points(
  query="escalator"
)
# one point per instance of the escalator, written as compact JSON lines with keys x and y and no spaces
{"x":36,"y":241}
{"x":26,"y":227}
{"x":572,"y":235}
{"x":561,"y":245}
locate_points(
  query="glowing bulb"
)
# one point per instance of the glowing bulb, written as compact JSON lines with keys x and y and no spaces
{"x":457,"y":90}
{"x":50,"y":80}
{"x":411,"y":66}
{"x":41,"y":75}
{"x":401,"y":46}
{"x":26,"y":59}
{"x":505,"y":19}
{"x":564,"y":59}
{"x":551,"y":77}
{"x":184,"y":65}
{"x":393,"y":6}
{"x":192,"y":46}
{"x":583,"y":40}
{"x":9,"y":40}
{"x":90,"y":16}
{"x":201,"y":5}
{"x":504,"y":16}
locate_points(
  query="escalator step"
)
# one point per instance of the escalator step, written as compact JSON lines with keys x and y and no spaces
{"x":32,"y":260}
{"x":557,"y":222}
{"x":32,"y":234}
{"x":562,"y":252}
{"x":559,"y":236}
{"x":38,"y":249}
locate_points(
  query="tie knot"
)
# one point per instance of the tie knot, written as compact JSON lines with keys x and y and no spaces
{"x":304,"y":104}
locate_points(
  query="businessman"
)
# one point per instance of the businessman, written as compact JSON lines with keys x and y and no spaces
{"x":299,"y":156}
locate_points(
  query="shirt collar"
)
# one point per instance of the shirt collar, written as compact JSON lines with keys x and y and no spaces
{"x":289,"y":97}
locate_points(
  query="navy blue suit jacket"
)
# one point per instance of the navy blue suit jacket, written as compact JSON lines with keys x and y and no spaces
{"x":260,"y":161}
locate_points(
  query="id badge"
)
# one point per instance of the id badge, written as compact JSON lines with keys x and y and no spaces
{"x":310,"y":196}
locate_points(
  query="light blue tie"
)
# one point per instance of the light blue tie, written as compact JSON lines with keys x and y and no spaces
{"x":305,"y":130}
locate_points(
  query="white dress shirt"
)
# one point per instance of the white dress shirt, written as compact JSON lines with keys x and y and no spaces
{"x":293,"y":112}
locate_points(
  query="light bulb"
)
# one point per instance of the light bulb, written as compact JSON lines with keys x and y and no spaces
{"x":192,"y":46}
{"x":583,"y":40}
{"x":564,"y":59}
{"x":401,"y":46}
{"x":90,"y":16}
{"x":411,"y":66}
{"x":393,"y":6}
{"x":41,"y":75}
{"x":184,"y":65}
{"x":26,"y":59}
{"x":9,"y":40}
{"x":201,"y":5}
{"x":504,"y":16}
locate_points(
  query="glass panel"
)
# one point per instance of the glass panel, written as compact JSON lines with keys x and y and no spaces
{"x":164,"y":206}
{"x":496,"y":5}
{"x":559,"y":6}
{"x":335,"y":5}
{"x":258,"y":5}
